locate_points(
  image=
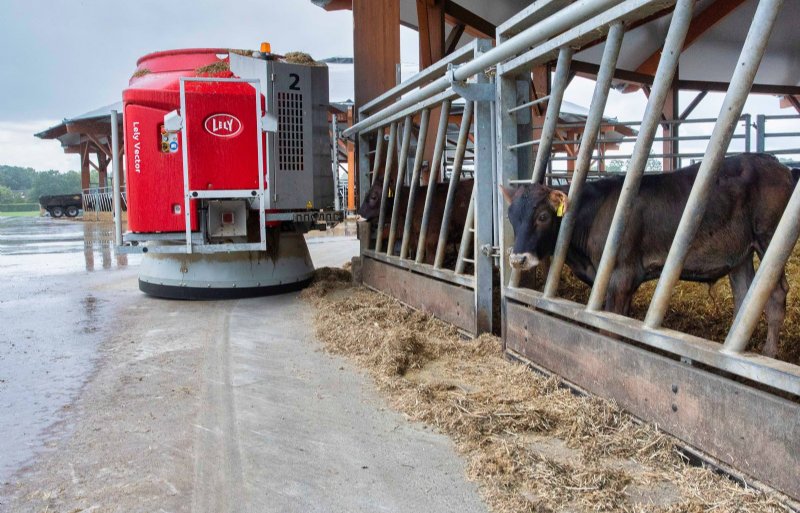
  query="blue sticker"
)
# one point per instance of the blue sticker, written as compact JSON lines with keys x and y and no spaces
{"x":173,"y":146}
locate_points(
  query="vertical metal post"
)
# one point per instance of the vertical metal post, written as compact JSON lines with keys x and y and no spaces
{"x":466,"y":235}
{"x":584,"y":160}
{"x":681,"y":18}
{"x":438,"y":150}
{"x":376,"y":164}
{"x":363,"y":166}
{"x":115,"y":174}
{"x":560,"y":82}
{"x":337,"y":204}
{"x":484,"y":195}
{"x":455,"y":177}
{"x":414,"y":184}
{"x":187,"y":218}
{"x":507,"y":169}
{"x":387,"y":173}
{"x":769,"y":272}
{"x":761,"y":132}
{"x":402,"y":160}
{"x":748,"y":120}
{"x":742,"y":81}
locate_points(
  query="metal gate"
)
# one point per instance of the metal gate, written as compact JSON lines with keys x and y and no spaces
{"x":396,"y":262}
{"x":741,"y":409}
{"x":712,"y":396}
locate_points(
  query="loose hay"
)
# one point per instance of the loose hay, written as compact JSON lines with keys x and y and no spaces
{"x":301,"y":58}
{"x":141,"y":72}
{"x":214,"y":67}
{"x":698,"y":309}
{"x":530,"y":444}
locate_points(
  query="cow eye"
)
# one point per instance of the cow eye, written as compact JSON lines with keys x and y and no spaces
{"x":543,"y":217}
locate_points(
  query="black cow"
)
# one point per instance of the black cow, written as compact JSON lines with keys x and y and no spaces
{"x":370,"y":210}
{"x":750,"y":195}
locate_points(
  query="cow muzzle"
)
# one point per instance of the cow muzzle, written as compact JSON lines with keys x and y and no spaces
{"x":523,"y":261}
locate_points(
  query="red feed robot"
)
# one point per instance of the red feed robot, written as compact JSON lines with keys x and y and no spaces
{"x":227,"y":165}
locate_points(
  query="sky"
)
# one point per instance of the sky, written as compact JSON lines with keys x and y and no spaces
{"x":63,"y":58}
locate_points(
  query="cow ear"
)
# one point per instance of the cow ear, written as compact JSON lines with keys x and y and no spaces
{"x":508,"y":193}
{"x":558,"y":200}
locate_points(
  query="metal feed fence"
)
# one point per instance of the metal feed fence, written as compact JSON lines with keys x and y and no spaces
{"x":668,"y":377}
{"x":101,"y":199}
{"x":466,"y":296}
{"x":547,"y":329}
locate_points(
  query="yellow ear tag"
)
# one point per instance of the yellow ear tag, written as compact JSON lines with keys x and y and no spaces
{"x":560,"y":210}
{"x":390,"y":193}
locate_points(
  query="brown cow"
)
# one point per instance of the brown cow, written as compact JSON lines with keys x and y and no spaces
{"x":750,"y":195}
{"x":370,"y":210}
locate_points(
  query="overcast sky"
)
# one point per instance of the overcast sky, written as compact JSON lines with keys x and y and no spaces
{"x":63,"y":58}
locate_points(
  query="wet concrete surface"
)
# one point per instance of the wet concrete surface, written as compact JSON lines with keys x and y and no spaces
{"x":52,"y":323}
{"x":114,"y":401}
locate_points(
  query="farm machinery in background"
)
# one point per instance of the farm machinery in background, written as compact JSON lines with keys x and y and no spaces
{"x":228,"y":163}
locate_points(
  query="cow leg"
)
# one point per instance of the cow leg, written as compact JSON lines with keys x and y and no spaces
{"x":741,"y":277}
{"x":775,"y":311}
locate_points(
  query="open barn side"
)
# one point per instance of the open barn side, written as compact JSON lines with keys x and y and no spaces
{"x":738,"y":408}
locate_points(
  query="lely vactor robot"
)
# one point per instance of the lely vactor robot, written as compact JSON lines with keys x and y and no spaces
{"x":227,"y":165}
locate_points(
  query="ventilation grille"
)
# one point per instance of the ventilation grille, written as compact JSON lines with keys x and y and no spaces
{"x":290,"y":131}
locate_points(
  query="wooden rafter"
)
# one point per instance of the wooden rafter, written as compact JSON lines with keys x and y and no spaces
{"x":474,"y":24}
{"x":453,"y":38}
{"x":430,"y":18}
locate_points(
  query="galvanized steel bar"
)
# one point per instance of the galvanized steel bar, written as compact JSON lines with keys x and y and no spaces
{"x":761,"y":132}
{"x":115,"y":175}
{"x":402,"y":159}
{"x":560,"y":82}
{"x":590,"y":133}
{"x":681,"y":18}
{"x":743,"y":76}
{"x":455,"y":177}
{"x":560,"y":21}
{"x":484,"y":194}
{"x":433,"y":173}
{"x":530,"y":104}
{"x":376,"y":164}
{"x":466,"y":235}
{"x":387,"y":173}
{"x":769,"y":272}
{"x":508,"y":168}
{"x":364,"y":181}
{"x":414,"y":185}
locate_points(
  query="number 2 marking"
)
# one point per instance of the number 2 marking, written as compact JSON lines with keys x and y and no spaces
{"x":293,"y":86}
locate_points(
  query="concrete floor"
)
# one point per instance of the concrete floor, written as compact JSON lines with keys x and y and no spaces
{"x":200,"y":406}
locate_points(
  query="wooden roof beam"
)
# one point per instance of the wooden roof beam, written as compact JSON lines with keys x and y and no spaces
{"x":475,"y":25}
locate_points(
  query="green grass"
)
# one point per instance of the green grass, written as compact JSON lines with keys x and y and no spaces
{"x":19,"y":214}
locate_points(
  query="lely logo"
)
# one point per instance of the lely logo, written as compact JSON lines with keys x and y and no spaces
{"x":223,"y":125}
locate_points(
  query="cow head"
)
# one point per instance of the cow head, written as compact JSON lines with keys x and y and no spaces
{"x":535,"y":213}
{"x":371,"y":207}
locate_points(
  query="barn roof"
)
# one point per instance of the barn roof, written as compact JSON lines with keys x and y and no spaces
{"x":719,"y":29}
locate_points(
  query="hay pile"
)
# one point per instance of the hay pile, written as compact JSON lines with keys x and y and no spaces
{"x":701,"y":310}
{"x":301,"y":58}
{"x":214,"y":67}
{"x":530,"y":444}
{"x":140,"y":73}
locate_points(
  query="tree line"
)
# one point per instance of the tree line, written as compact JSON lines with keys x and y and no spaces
{"x":26,"y":185}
